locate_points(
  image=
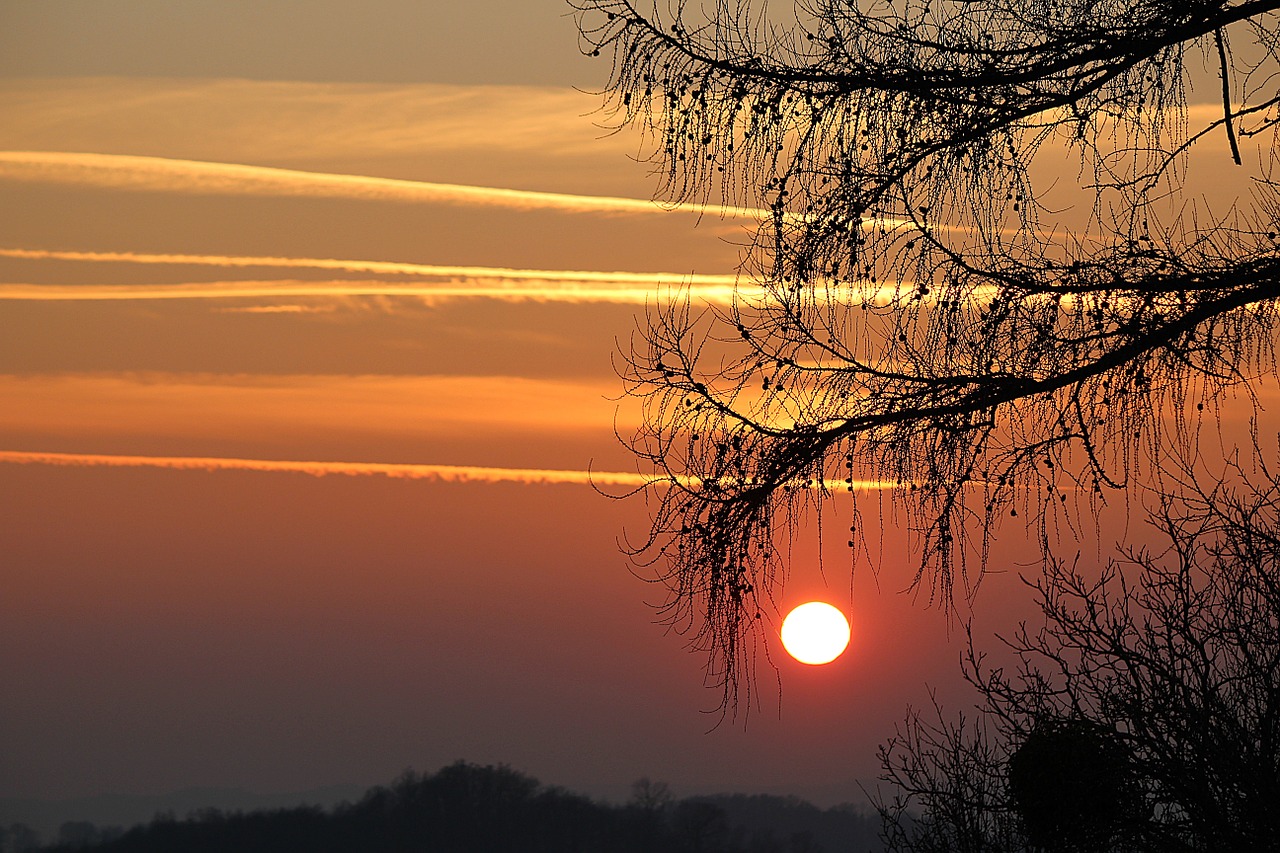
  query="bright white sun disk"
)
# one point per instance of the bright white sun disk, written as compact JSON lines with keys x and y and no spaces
{"x":815,"y":633}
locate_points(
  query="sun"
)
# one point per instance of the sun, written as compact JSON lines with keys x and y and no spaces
{"x":815,"y":633}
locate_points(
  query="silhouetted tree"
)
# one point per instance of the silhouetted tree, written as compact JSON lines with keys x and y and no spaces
{"x":1142,"y":715}
{"x":923,"y":319}
{"x":1074,"y":786}
{"x":764,"y":823}
{"x":699,"y":827}
{"x":650,"y":796}
{"x":78,"y":833}
{"x":18,"y":838}
{"x":650,"y":803}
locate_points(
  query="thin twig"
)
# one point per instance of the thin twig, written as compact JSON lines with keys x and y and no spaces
{"x":1226,"y":96}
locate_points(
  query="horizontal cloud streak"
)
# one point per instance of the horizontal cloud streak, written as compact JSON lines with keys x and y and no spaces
{"x":403,"y":471}
{"x":388,"y":268}
{"x":567,"y":291}
{"x":454,"y":282}
{"x":161,"y":174}
{"x":481,"y":288}
{"x":199,"y":177}
{"x":393,"y":470}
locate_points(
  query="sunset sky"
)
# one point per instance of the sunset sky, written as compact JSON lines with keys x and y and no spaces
{"x":308,"y":313}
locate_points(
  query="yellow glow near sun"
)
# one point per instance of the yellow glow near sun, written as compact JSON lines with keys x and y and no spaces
{"x":815,"y":633}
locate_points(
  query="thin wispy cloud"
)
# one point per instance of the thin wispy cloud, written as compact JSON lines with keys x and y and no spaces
{"x":382,"y":267}
{"x":280,"y":309}
{"x":162,"y":174}
{"x":199,"y":177}
{"x":392,"y":470}
{"x":399,"y":268}
{"x":450,"y":282}
{"x":248,"y":121}
{"x":473,"y":288}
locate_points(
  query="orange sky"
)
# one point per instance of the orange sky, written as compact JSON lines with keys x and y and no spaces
{"x":236,"y":242}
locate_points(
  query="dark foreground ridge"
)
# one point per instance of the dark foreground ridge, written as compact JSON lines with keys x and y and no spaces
{"x":472,"y":808}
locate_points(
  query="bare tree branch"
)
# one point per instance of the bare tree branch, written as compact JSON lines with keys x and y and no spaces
{"x":928,"y":324}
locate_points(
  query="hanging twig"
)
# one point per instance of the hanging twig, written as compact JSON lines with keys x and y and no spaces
{"x":1226,"y":96}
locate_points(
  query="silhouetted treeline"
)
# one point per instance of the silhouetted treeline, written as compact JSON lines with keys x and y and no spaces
{"x":466,"y":807}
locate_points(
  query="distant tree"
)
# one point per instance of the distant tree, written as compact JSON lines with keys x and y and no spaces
{"x":462,"y":806}
{"x":765,"y":823}
{"x":650,"y":796}
{"x":699,"y":827}
{"x":924,"y":319}
{"x":78,"y":833}
{"x":19,"y":838}
{"x":650,"y":805}
{"x":110,"y":832}
{"x":1143,"y":714}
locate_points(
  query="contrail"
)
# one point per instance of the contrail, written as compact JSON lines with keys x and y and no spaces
{"x":484,"y":282}
{"x":408,"y":471}
{"x":567,"y":291}
{"x":480,"y":289}
{"x":452,"y":281}
{"x":163,"y":174}
{"x":199,"y":177}
{"x":387,"y":267}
